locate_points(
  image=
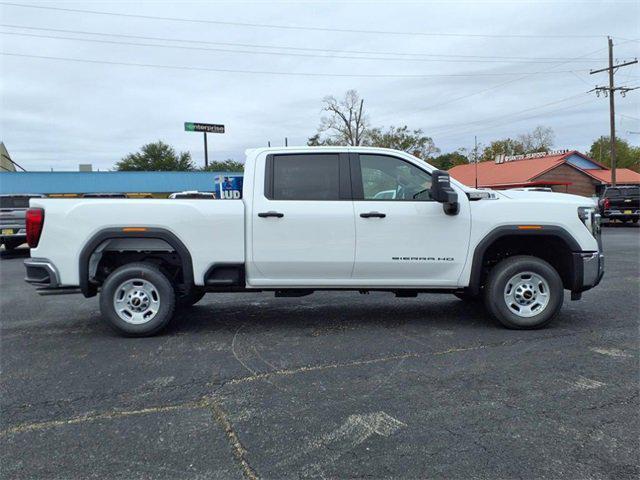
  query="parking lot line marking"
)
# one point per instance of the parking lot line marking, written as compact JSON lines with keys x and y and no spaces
{"x":584,"y":383}
{"x":355,"y":430}
{"x":314,"y":368}
{"x":612,"y":352}
{"x":29,"y":427}
{"x":239,"y":451}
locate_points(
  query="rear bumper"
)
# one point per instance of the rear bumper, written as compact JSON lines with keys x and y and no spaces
{"x":622,"y":213}
{"x":41,"y":273}
{"x":13,"y":232}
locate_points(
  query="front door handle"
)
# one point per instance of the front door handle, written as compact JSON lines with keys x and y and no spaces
{"x":373,"y":215}
{"x":270,"y":214}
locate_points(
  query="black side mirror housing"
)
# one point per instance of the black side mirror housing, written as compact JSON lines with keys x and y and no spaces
{"x":442,"y":192}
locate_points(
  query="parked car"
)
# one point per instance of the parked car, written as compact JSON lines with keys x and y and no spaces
{"x":306,"y":223}
{"x":621,"y":203}
{"x":13,"y":209}
{"x":533,"y":189}
{"x":104,"y":195}
{"x":193,"y":194}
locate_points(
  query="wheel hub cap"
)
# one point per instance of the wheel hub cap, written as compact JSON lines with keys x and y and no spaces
{"x":136,"y":301}
{"x":527,"y":294}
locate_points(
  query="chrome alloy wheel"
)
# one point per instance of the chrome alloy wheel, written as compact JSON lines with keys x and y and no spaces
{"x":136,"y":301}
{"x":527,"y":294}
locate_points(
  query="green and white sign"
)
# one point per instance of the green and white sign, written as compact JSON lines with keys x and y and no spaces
{"x":203,"y":127}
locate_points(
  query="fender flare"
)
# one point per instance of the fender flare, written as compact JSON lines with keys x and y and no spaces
{"x":511,"y":230}
{"x":90,"y":290}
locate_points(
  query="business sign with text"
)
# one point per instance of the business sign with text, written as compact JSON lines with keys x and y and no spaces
{"x":203,"y":127}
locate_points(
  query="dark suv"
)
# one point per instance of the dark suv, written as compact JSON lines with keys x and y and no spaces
{"x":621,"y":203}
{"x":12,"y":223}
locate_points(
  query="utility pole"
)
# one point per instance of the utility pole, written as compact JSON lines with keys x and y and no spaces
{"x":475,"y":156}
{"x":206,"y":151}
{"x":610,"y":91}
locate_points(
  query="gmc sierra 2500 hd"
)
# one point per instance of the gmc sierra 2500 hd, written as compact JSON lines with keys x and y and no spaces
{"x":315,"y":218}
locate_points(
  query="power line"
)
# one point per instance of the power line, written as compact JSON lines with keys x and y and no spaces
{"x":183,"y":47}
{"x":508,"y":82}
{"x":510,"y":121}
{"x":456,"y":128}
{"x":309,"y":49}
{"x":267,"y":72}
{"x":299,"y":27}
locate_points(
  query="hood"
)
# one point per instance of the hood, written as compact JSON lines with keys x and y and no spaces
{"x":548,"y":197}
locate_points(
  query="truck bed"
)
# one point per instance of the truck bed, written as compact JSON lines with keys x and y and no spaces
{"x":210,"y":229}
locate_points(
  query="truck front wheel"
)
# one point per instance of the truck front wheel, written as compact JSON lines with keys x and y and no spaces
{"x":524,"y":292}
{"x":137,"y":300}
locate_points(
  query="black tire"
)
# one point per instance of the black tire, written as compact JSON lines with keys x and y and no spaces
{"x":496,"y":289}
{"x":162,"y":292}
{"x":190,"y":299}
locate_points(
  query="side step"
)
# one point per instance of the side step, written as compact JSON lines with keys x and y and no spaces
{"x":297,"y":292}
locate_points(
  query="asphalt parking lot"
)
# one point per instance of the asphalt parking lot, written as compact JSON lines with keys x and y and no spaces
{"x":330,"y":385}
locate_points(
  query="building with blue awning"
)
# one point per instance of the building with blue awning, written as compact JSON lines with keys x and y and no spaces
{"x":71,"y":183}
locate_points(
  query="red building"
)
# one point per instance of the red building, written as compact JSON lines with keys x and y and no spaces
{"x":567,"y":171}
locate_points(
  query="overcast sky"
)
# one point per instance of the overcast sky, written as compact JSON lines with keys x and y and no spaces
{"x":446,"y":74}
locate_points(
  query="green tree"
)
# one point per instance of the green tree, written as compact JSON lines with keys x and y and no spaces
{"x":627,"y":156}
{"x":401,"y":138}
{"x":225,"y":166}
{"x":507,"y":146}
{"x":157,"y":156}
{"x":540,"y":139}
{"x":449,"y":160}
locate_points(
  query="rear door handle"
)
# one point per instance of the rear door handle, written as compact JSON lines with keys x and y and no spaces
{"x":270,"y":214}
{"x":373,"y":215}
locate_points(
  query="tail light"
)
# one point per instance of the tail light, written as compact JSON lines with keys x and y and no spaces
{"x":606,"y":204}
{"x":35,"y":220}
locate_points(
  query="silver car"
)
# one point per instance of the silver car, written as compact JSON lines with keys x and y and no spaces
{"x":12,"y":218}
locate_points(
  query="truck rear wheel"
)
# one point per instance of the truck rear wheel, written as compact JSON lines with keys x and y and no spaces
{"x":137,"y":300}
{"x":524,"y":292}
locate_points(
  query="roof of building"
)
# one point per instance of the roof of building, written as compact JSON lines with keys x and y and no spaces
{"x":623,"y":175}
{"x":524,"y":171}
{"x":517,"y":172}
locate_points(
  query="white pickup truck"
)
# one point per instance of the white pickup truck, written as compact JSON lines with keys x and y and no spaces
{"x":314,"y":218}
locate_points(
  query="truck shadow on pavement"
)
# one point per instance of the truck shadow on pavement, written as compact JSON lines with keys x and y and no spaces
{"x":17,"y":253}
{"x":321,"y":319}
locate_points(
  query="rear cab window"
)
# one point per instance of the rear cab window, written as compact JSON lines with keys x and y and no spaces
{"x":311,"y":176}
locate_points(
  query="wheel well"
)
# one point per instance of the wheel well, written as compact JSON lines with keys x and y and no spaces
{"x":551,"y":248}
{"x":113,"y":248}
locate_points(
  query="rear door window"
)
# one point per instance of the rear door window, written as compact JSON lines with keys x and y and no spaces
{"x":303,"y":177}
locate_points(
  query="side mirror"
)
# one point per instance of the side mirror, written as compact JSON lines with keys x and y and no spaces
{"x":441,"y":191}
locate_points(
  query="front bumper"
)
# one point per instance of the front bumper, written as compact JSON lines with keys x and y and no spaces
{"x":589,"y":270}
{"x":41,"y":273}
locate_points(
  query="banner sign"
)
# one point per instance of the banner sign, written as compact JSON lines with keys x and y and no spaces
{"x":229,"y":187}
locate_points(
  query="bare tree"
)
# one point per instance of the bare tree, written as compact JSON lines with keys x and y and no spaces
{"x":539,"y":140}
{"x":346,"y":122}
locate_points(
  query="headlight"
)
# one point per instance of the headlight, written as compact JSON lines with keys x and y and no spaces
{"x":591,"y":219}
